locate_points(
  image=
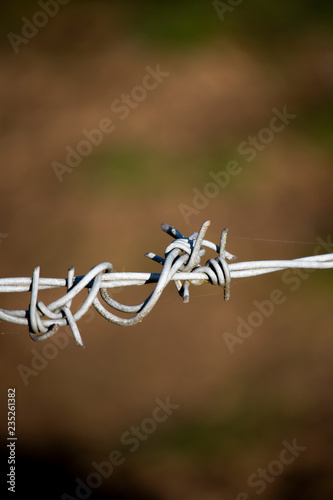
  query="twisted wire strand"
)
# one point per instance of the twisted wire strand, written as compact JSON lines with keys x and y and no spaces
{"x":180,"y":264}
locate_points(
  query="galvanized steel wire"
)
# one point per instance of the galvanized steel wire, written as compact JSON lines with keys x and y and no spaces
{"x":180,"y":264}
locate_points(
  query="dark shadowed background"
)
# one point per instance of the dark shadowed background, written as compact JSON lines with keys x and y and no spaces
{"x":200,"y":143}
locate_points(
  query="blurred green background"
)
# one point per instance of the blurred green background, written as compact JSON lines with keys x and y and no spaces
{"x":226,"y":74}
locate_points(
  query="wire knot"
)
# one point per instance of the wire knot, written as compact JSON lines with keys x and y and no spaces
{"x":218,"y":273}
{"x":45,"y":321}
{"x":216,"y":270}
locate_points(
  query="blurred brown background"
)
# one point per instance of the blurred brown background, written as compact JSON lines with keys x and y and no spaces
{"x":227,"y":71}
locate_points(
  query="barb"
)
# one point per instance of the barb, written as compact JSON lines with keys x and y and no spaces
{"x":181,"y":264}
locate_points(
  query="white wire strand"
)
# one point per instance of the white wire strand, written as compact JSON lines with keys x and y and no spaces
{"x":181,"y":264}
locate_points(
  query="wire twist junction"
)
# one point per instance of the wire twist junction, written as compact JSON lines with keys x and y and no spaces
{"x":180,"y":264}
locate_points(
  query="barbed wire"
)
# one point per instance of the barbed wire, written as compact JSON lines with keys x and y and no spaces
{"x":181,"y":264}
